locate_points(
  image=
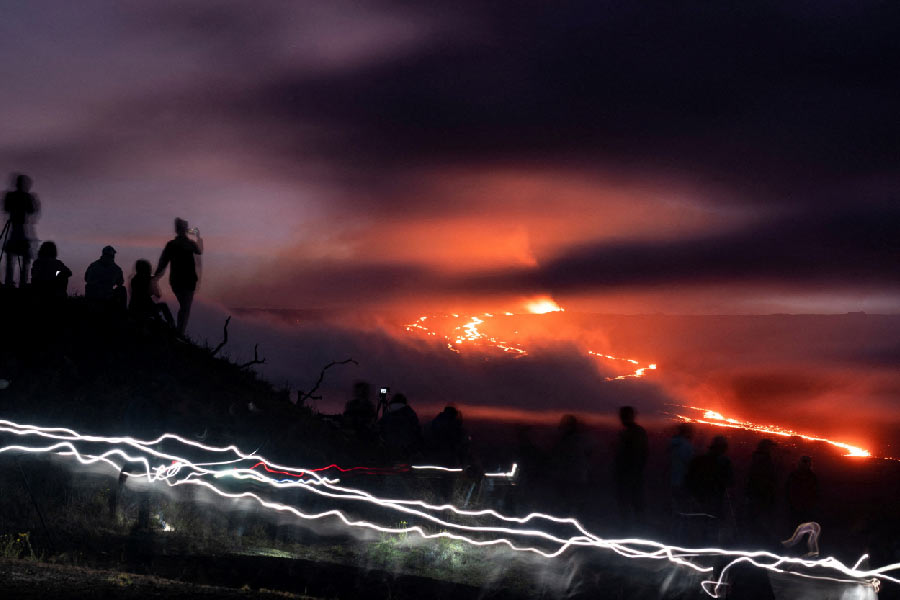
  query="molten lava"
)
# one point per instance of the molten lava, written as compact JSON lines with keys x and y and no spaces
{"x":711,"y":417}
{"x":470,"y":332}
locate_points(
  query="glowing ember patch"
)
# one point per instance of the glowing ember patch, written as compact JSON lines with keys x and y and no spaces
{"x":711,"y":417}
{"x":541,"y":306}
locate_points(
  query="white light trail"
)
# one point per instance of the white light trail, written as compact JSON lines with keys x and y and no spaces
{"x":522,"y":534}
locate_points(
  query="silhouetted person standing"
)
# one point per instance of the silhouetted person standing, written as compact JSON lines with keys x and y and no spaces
{"x":104,"y":281}
{"x":708,"y":479}
{"x":49,"y":276}
{"x":760,"y":491}
{"x":180,"y":252}
{"x":449,"y":439}
{"x":710,"y":475}
{"x":22,"y":207}
{"x":630,"y":459}
{"x":143,"y":290}
{"x":570,"y":462}
{"x":802,"y":492}
{"x":359,"y":411}
{"x":681,"y":452}
{"x":400,"y":428}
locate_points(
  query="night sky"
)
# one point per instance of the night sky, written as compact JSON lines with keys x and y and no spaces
{"x":625,"y":156}
{"x":619,"y":157}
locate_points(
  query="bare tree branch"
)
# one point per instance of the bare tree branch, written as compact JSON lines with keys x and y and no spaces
{"x":224,"y":336}
{"x":303,"y":397}
{"x":256,"y":359}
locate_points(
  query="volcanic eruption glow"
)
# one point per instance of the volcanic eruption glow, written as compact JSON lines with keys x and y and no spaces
{"x":711,"y":417}
{"x":543,"y":305}
{"x":471,"y":332}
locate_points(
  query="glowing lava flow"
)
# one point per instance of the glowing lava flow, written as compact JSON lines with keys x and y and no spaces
{"x":484,"y":527}
{"x":469,"y":333}
{"x":639,"y":372}
{"x":711,"y":417}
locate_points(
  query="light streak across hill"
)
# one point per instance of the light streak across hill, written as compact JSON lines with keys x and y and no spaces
{"x":231,"y":474}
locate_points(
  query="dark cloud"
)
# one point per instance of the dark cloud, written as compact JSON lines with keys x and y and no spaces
{"x":828,"y":249}
{"x":771,"y":105}
{"x":775,"y":98}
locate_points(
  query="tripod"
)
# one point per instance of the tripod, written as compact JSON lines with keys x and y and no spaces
{"x":4,"y":237}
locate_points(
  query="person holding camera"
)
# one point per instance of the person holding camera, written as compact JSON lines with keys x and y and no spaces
{"x":183,"y":278}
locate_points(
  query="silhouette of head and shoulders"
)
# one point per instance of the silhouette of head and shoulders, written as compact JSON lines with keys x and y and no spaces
{"x":400,"y":425}
{"x":49,"y":276}
{"x":632,"y":444}
{"x":142,"y":291}
{"x":180,"y":252}
{"x":19,"y":203}
{"x":103,"y":276}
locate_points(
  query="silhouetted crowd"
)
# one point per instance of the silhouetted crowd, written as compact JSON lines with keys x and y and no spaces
{"x":394,"y":424}
{"x":104,"y":281}
{"x":701,"y":505}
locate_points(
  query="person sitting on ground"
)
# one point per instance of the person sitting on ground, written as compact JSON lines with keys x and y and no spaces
{"x":143,"y":290}
{"x":400,"y":428}
{"x":104,"y":281}
{"x":49,"y":276}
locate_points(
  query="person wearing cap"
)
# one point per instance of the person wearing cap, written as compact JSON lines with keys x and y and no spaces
{"x":104,"y":280}
{"x":183,"y":278}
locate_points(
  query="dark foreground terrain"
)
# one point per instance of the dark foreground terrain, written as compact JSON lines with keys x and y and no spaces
{"x":67,"y":530}
{"x":30,"y":579}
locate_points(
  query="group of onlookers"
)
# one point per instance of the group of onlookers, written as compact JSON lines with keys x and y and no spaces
{"x":394,"y":423}
{"x":104,"y":279}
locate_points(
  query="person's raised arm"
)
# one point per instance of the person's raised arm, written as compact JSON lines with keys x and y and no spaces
{"x":199,"y":243}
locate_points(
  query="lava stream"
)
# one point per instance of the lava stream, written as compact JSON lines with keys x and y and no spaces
{"x":711,"y":417}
